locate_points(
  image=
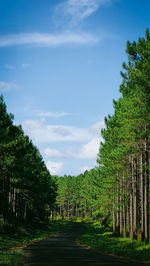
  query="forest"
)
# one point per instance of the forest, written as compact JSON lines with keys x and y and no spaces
{"x":27,"y":191}
{"x":116,"y":192}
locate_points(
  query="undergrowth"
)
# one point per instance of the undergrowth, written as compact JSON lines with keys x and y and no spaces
{"x":12,"y":244}
{"x":96,"y":238}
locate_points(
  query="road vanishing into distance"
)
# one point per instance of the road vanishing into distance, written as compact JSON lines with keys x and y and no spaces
{"x":63,"y":250}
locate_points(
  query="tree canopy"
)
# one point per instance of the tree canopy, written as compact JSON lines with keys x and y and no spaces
{"x":119,"y":188}
{"x":27,"y":191}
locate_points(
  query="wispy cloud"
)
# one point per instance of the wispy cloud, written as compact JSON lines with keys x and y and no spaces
{"x":41,"y":39}
{"x":10,"y":67}
{"x":6,"y":86}
{"x":71,"y":14}
{"x":52,"y":114}
{"x":74,"y":12}
{"x":25,"y":65}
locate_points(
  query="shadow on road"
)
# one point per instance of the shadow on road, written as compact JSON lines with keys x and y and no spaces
{"x":64,"y":251}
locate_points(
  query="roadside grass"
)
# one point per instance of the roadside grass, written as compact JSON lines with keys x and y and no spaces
{"x":96,"y":238}
{"x":13,"y":258}
{"x":12,"y":244}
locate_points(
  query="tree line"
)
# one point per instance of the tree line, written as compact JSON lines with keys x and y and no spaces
{"x":125,"y":155}
{"x":78,"y":196}
{"x":27,"y":190}
{"x":118,"y":191}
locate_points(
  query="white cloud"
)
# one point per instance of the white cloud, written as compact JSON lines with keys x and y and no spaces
{"x":52,"y":114}
{"x":83,"y":142}
{"x":96,"y":128}
{"x":84,"y":168}
{"x":6,"y":86}
{"x":90,"y":150}
{"x":76,"y":11}
{"x":48,"y":39}
{"x":86,"y":151}
{"x":53,"y":153}
{"x":55,"y":168}
{"x":41,"y":132}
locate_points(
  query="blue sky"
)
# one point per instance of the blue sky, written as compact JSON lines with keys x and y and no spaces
{"x":60,"y":64}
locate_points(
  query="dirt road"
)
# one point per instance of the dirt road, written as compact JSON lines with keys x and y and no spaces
{"x":64,"y":251}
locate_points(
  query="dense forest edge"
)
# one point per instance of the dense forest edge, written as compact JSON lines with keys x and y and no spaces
{"x":114,"y":196}
{"x":117,"y":192}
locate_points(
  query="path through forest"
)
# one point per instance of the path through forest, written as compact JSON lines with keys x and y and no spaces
{"x":63,"y":250}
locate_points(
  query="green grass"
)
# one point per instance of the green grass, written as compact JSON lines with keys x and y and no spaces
{"x":11,"y":252}
{"x":13,"y":258}
{"x":104,"y":241}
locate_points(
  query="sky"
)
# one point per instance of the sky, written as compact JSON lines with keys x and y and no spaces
{"x":60,"y":63}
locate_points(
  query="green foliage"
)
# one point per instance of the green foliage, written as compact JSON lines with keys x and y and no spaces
{"x":105,"y":242}
{"x":78,"y":196}
{"x":123,"y":157}
{"x":12,"y":258}
{"x":117,"y":192}
{"x":11,"y":245}
{"x":24,"y":236}
{"x":28,"y":192}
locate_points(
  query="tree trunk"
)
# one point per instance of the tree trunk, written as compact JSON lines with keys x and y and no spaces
{"x":124,"y":218}
{"x":117,"y":216}
{"x":134,"y":184}
{"x":141,"y":197}
{"x":120,"y":214}
{"x":68,"y":209}
{"x":114,"y":219}
{"x":127,"y":219}
{"x":146,"y":191}
{"x":131,"y":201}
